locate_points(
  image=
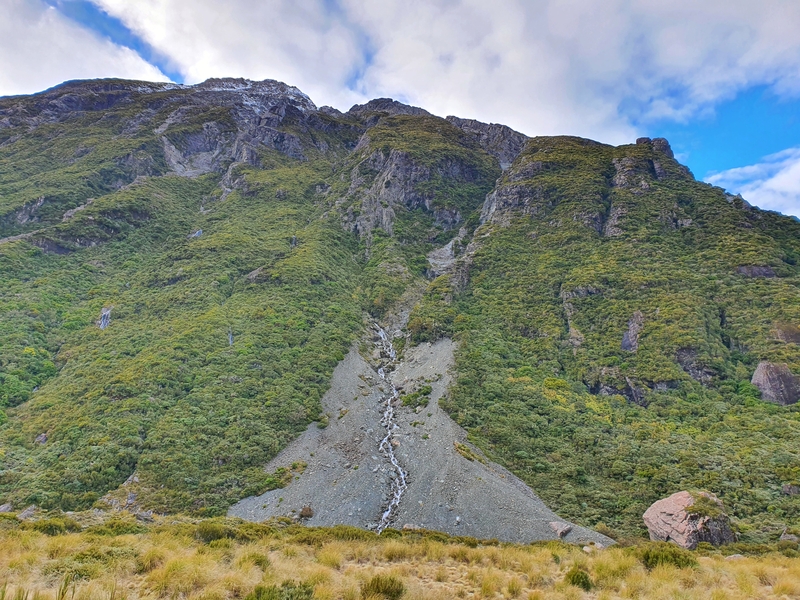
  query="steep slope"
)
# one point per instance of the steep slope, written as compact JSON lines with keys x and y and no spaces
{"x":612,"y":315}
{"x":608,"y":311}
{"x":233,"y":281}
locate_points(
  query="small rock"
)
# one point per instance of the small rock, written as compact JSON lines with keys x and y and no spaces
{"x":756,"y":271}
{"x":561,"y":529}
{"x":790,"y":490}
{"x":410,"y":527}
{"x":41,"y":438}
{"x":789,"y":537}
{"x":6,"y":508}
{"x":145,"y":516}
{"x":734,"y":557}
{"x":27,"y":513}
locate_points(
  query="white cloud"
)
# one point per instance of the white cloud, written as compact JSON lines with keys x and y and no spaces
{"x":773,"y":183}
{"x":588,"y":67}
{"x":598,"y":68}
{"x":39,"y":48}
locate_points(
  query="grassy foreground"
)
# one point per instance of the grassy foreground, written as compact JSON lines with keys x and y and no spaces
{"x":57,"y":558}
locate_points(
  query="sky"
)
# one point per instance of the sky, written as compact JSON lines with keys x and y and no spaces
{"x":719,"y":78}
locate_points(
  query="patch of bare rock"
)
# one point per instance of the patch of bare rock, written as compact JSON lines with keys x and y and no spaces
{"x":688,"y":519}
{"x":452,"y":486}
{"x":777,"y":383}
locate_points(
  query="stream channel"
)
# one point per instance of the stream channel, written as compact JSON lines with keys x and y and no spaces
{"x":399,"y":480}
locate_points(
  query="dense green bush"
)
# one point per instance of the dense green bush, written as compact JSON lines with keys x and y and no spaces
{"x":383,"y":586}
{"x":288,"y":590}
{"x":654,"y":554}
{"x":579,"y":578}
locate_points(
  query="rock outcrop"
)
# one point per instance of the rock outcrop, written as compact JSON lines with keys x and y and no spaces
{"x":756,"y":271}
{"x":500,"y":141}
{"x":679,"y":519}
{"x":388,"y":106}
{"x":630,"y":339}
{"x":777,"y":383}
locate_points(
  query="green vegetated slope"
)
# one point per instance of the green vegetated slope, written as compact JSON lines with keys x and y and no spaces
{"x":578,"y":249}
{"x":234,"y":290}
{"x":241,"y":238}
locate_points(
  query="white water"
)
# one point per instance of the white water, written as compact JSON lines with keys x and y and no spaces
{"x":399,"y":483}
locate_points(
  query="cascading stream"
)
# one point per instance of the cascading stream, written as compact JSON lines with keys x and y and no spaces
{"x":399,"y":482}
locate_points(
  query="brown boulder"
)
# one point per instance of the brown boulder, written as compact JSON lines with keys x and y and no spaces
{"x":777,"y":383}
{"x":687,"y":520}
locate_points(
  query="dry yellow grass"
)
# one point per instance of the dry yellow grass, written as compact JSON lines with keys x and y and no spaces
{"x":173,"y":561}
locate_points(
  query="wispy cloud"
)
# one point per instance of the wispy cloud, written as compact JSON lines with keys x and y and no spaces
{"x":40,"y":48}
{"x":773,"y":183}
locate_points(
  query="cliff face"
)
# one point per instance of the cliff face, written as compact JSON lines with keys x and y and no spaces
{"x":610,"y":311}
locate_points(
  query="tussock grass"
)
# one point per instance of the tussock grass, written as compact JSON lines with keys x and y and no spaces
{"x":236,"y":560}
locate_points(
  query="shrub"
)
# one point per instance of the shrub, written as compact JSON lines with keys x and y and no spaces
{"x":118,"y":526}
{"x":54,"y":526}
{"x":579,"y":578}
{"x":654,"y":554}
{"x":287,"y":591}
{"x":208,"y":531}
{"x":383,"y":586}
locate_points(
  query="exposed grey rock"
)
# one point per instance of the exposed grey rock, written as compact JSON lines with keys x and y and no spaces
{"x":446,"y":491}
{"x":394,"y":180}
{"x":790,"y":490}
{"x":669,"y":520}
{"x":789,"y":537}
{"x":6,"y":508}
{"x":561,"y":529}
{"x":777,"y":383}
{"x":689,"y":362}
{"x":631,"y":173}
{"x":500,"y":141}
{"x":756,"y":271}
{"x":658,"y":144}
{"x":27,"y":513}
{"x":386,"y":105}
{"x":787,"y":332}
{"x":662,"y":145}
{"x":612,"y":226}
{"x":41,"y":439}
{"x":630,"y":339}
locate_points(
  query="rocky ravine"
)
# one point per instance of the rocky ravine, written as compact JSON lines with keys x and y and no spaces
{"x":451,"y":486}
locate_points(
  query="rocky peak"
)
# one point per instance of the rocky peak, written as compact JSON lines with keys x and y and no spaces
{"x":658,"y":144}
{"x":387,"y":105}
{"x":500,"y":141}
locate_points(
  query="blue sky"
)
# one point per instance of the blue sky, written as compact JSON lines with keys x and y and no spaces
{"x":719,"y":79}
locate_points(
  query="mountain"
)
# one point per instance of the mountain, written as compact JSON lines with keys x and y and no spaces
{"x":183,"y":267}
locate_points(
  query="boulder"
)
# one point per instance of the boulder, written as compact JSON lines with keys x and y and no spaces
{"x":777,"y":383}
{"x":6,"y":508}
{"x":677,"y":519}
{"x":560,"y":529}
{"x":787,"y":332}
{"x":27,"y":513}
{"x":789,"y":537}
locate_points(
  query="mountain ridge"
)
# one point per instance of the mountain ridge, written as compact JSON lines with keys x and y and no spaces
{"x":241,"y":238}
